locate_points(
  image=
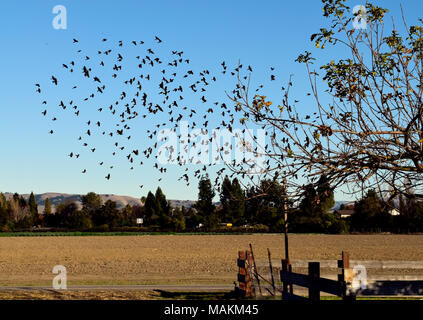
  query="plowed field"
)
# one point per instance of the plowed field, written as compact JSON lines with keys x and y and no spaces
{"x":178,"y":259}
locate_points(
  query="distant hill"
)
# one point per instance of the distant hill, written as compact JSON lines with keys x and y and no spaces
{"x":121,"y":201}
{"x":339,"y":203}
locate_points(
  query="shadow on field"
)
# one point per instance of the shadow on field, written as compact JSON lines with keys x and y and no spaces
{"x":184,"y":295}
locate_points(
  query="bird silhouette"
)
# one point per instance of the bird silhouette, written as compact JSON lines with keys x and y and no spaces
{"x":132,"y":98}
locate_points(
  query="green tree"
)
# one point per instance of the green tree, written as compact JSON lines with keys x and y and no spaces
{"x":252,"y":205}
{"x":193,"y":219}
{"x":325,"y":194}
{"x":178,"y":220}
{"x":91,"y":202}
{"x":33,"y":208}
{"x":370,"y":213}
{"x":314,"y":214}
{"x":49,"y":218}
{"x":3,"y":201}
{"x":265,"y":205}
{"x":418,"y":217}
{"x":79,"y":219}
{"x":410,"y":218}
{"x":162,"y":208}
{"x":47,"y":207}
{"x":150,"y":207}
{"x":21,"y":200}
{"x":204,"y":206}
{"x":4,"y":216}
{"x":225,"y":196}
{"x":138,"y":212}
{"x":310,"y":210}
{"x":128,"y":217}
{"x":232,"y":199}
{"x":64,"y":212}
{"x":108,"y":214}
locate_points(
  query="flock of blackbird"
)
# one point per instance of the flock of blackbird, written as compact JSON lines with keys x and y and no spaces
{"x":136,"y":98}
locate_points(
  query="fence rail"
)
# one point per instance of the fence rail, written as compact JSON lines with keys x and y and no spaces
{"x":392,"y":288}
{"x":369,"y":264}
{"x":343,"y":286}
{"x":314,"y":284}
{"x":306,"y":281}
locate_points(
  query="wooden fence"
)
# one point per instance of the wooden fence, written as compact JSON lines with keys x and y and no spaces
{"x":252,"y":283}
{"x":313,"y":281}
{"x":343,"y":286}
{"x":245,"y":265}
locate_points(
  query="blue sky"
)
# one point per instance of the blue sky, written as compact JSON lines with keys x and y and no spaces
{"x":260,"y":33}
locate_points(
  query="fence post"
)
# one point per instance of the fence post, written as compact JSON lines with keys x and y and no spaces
{"x":271,"y":271}
{"x":291,"y":287}
{"x":284,"y":284}
{"x":344,"y":264}
{"x":249,"y":259}
{"x":244,"y":276}
{"x":314,"y":274}
{"x":255,"y":272}
{"x":242,"y":273}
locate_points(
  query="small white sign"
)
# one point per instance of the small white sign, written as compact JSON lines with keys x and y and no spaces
{"x":140,"y":220}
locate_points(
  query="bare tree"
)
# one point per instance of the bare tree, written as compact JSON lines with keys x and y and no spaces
{"x":371,"y":133}
{"x":17,"y":212}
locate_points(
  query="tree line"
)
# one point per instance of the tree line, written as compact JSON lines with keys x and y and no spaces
{"x":260,"y":208}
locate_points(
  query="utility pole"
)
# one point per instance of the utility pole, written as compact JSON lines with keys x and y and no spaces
{"x":285,"y":213}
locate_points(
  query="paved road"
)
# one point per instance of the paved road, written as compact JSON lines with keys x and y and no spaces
{"x":169,"y":287}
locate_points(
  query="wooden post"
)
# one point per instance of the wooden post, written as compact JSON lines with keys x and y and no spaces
{"x":314,"y":274}
{"x":244,"y":278}
{"x":291,"y":288}
{"x":249,"y":273}
{"x":242,"y":255}
{"x":271,"y":271}
{"x":341,"y":276}
{"x":344,"y":264}
{"x":255,"y":270}
{"x":284,"y":284}
{"x":285,"y":217}
{"x":242,"y":274}
{"x":346,"y":259}
{"x":287,"y":267}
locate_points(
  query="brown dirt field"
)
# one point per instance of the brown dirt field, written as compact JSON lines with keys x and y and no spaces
{"x":178,"y":259}
{"x":111,"y":294}
{"x":79,"y":295}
